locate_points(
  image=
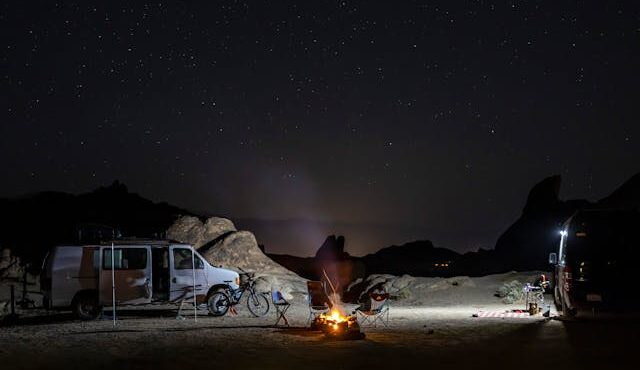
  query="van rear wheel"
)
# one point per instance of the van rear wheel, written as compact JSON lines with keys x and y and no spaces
{"x":85,"y":306}
{"x":566,"y":311}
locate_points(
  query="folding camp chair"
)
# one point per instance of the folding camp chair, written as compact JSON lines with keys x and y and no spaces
{"x":318,"y":300}
{"x":281,"y":305}
{"x":377,"y":312}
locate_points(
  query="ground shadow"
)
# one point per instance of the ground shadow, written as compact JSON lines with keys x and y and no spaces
{"x":54,"y":318}
{"x":301,"y":331}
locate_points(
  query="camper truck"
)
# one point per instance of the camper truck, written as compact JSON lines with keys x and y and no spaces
{"x":597,"y":263}
{"x":136,"y":272}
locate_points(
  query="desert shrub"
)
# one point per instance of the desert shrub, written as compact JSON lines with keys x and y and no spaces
{"x":511,"y":292}
{"x":403,"y":293}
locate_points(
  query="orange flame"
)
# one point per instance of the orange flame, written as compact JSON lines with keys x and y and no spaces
{"x":334,"y":317}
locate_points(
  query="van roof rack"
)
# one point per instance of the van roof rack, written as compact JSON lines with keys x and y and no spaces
{"x":140,"y":241}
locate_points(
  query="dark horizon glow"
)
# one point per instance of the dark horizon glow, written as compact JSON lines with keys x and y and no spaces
{"x":431,"y":120}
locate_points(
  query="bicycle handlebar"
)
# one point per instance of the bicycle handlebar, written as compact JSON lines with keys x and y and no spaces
{"x":249,"y":275}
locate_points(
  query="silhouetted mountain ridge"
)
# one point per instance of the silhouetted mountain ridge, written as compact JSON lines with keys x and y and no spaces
{"x":525,"y":245}
{"x":418,"y":258}
{"x":31,"y":224}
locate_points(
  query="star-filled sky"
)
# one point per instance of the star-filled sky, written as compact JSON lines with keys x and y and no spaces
{"x":382,"y":121}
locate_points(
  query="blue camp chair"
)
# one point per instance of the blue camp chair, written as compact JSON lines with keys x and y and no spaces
{"x":281,"y":305}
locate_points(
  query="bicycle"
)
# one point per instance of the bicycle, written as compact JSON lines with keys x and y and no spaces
{"x":218,"y":303}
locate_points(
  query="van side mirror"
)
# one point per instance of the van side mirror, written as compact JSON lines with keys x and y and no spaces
{"x":553,"y":258}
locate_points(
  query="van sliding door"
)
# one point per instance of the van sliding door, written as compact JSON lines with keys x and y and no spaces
{"x":132,"y":270}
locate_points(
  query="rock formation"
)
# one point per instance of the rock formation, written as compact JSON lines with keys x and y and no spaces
{"x":199,"y":233}
{"x":527,"y":243}
{"x":219,"y":243}
{"x":332,"y":249}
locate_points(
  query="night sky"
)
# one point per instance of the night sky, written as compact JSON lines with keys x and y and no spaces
{"x":384,"y":122}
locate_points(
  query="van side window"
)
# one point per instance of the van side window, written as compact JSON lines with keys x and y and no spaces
{"x":125,"y":259}
{"x":182,"y":259}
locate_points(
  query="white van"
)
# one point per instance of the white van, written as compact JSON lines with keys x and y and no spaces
{"x":145,"y":271}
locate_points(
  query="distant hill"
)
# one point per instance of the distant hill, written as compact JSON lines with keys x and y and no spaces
{"x":31,"y":224}
{"x":418,"y":258}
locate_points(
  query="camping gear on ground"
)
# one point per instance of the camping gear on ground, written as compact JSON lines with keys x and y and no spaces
{"x":378,"y":311}
{"x":220,"y":301}
{"x":533,"y":298}
{"x":281,"y":305}
{"x":533,"y":308}
{"x":318,"y":300}
{"x":510,"y":314}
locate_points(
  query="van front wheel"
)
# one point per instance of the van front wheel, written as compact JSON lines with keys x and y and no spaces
{"x":218,"y":304}
{"x":85,"y":306}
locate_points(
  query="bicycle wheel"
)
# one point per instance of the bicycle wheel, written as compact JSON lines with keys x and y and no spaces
{"x":258,"y":305}
{"x":218,"y":304}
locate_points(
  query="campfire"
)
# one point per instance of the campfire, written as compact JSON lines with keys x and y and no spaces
{"x":336,"y":325}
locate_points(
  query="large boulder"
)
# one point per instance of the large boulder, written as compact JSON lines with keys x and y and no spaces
{"x":221,"y":245}
{"x":240,"y":250}
{"x":189,"y":229}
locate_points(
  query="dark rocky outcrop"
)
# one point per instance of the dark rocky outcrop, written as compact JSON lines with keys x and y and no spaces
{"x":331,"y":261}
{"x":526,"y":244}
{"x":533,"y":236}
{"x":332,"y":249}
{"x":626,"y":196}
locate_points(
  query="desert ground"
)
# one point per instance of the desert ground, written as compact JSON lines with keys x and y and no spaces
{"x":420,"y":334}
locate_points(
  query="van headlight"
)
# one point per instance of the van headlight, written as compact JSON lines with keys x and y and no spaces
{"x":238,"y":280}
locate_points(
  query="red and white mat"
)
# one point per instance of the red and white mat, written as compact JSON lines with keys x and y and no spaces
{"x":502,"y":314}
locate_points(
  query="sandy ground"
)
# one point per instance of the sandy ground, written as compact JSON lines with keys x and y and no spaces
{"x":445,"y":337}
{"x":418,"y":336}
